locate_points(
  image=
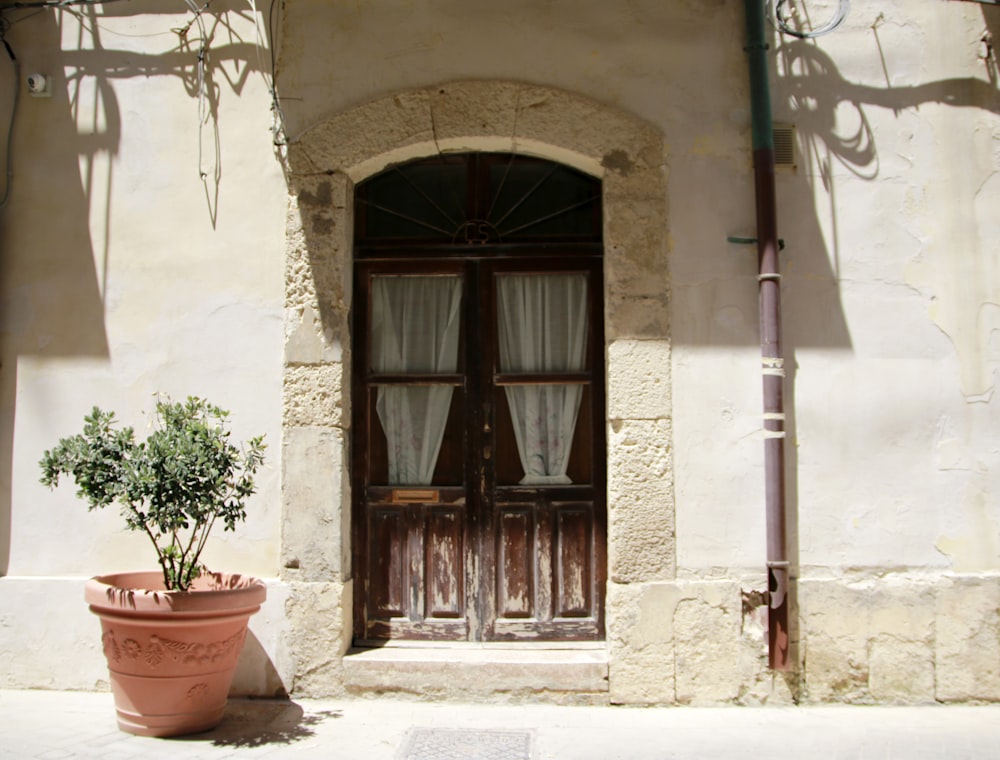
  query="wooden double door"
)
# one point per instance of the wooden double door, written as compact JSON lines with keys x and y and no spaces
{"x":479,"y":448}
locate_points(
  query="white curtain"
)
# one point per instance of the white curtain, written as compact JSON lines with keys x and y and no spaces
{"x":542,"y":328}
{"x":415,"y":329}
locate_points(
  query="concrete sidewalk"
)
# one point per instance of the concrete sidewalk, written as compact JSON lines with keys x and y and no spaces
{"x":50,"y":725}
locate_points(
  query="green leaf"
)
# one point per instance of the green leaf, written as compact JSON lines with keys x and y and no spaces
{"x":172,"y":486}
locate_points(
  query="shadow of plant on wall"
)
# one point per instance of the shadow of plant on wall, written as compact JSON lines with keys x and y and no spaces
{"x":204,"y":53}
{"x":817,"y":94}
{"x":837,"y":126}
{"x":834,"y":120}
{"x":72,"y":149}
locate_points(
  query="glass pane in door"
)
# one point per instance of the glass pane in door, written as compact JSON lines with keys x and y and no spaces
{"x":542,"y":330}
{"x":415,"y":332}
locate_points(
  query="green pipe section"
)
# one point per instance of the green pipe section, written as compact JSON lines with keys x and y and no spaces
{"x":760,"y":91}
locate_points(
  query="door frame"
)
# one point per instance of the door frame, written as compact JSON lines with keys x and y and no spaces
{"x":551,"y":557}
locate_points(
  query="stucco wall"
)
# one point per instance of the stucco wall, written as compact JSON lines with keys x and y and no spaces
{"x":142,"y":252}
{"x":125,"y":271}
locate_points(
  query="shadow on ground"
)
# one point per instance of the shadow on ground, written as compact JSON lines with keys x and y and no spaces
{"x":256,"y":723}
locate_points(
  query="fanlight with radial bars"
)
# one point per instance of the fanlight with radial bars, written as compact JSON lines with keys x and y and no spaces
{"x":478,"y":199}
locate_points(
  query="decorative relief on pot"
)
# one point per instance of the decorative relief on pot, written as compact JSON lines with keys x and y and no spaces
{"x":197,"y":691}
{"x":160,"y":649}
{"x":111,"y":650}
{"x":131,"y":648}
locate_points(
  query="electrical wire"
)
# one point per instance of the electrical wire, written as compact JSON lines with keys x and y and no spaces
{"x":278,"y":135}
{"x":13,"y":4}
{"x":843,"y":8}
{"x":204,"y":106}
{"x":277,"y":117}
{"x":13,"y":112}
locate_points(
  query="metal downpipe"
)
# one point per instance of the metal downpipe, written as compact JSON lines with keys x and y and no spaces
{"x":772,"y":361}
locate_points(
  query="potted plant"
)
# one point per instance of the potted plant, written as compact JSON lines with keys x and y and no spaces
{"x":171,"y":637}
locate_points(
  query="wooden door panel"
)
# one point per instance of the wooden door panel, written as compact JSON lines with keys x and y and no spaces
{"x":416,"y":576}
{"x":516,"y":560}
{"x":445,"y":587}
{"x":548,"y":571}
{"x":574,"y":567}
{"x":388,"y":567}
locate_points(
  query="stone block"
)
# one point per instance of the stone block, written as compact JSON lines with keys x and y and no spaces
{"x":639,"y":380}
{"x":316,"y":514}
{"x":901,"y":671}
{"x":561,"y":118}
{"x":300,"y":288}
{"x":870,"y":641}
{"x":318,"y":262}
{"x":641,"y":540}
{"x":309,"y":341}
{"x":259,"y":672}
{"x":641,"y":643}
{"x":770,"y":688}
{"x":676,"y":643}
{"x":461,"y":109}
{"x":637,"y":317}
{"x":317,"y":634}
{"x":967,"y":626}
{"x":758,"y":685}
{"x":313,"y":396}
{"x":55,"y":646}
{"x":378,"y":128}
{"x":638,"y":174}
{"x":903,"y":609}
{"x":636,"y":251}
{"x":317,"y":203}
{"x":835,"y":638}
{"x":836,"y":670}
{"x":707,"y":643}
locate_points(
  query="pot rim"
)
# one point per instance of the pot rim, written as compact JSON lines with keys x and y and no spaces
{"x":144,"y":592}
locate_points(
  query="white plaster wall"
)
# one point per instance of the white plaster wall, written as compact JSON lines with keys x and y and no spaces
{"x":334,"y":56}
{"x":897,"y":438}
{"x":889,"y":303}
{"x":126,"y":274}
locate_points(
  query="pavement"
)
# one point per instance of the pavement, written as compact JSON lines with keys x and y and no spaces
{"x":50,"y":725}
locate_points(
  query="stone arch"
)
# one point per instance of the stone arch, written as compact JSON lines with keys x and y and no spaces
{"x":322,"y":167}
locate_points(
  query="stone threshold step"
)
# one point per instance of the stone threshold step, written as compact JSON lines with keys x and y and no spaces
{"x":465,"y":670}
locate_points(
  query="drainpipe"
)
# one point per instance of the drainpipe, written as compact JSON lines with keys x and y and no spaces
{"x":772,"y":363}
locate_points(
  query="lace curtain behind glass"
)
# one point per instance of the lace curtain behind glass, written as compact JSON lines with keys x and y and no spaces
{"x":415,"y":330}
{"x":543,"y":328}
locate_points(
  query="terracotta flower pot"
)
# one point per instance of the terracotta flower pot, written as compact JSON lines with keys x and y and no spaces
{"x":171,"y":654}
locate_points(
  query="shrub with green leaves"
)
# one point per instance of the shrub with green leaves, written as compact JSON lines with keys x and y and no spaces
{"x":173,"y":486}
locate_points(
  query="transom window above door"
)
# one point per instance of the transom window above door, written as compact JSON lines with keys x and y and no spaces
{"x":488,"y":199}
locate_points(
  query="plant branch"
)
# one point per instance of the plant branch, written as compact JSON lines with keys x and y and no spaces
{"x":173,"y":486}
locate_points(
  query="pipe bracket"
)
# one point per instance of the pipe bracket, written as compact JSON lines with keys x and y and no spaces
{"x":740,"y":240}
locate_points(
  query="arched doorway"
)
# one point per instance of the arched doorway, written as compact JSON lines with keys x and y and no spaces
{"x":318,"y":552}
{"x":478,"y":467}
